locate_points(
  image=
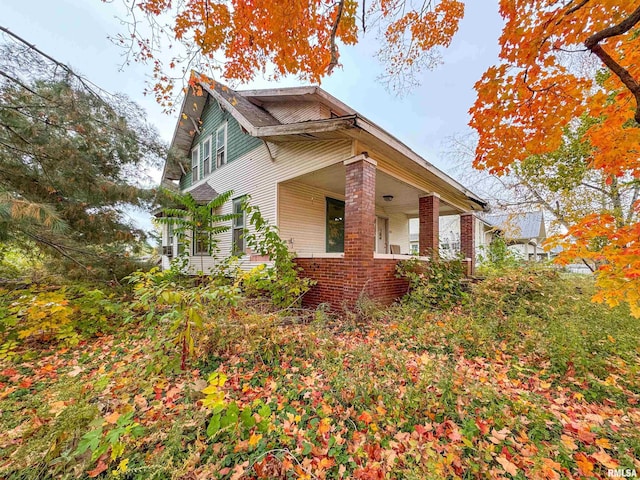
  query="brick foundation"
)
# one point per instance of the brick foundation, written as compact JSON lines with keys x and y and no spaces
{"x":386,"y":288}
{"x":382,"y":286}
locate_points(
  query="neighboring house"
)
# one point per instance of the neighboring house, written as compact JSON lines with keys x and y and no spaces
{"x":450,"y":235}
{"x":524,"y":233}
{"x":340,"y":189}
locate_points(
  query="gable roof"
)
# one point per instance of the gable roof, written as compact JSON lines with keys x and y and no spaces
{"x":246,"y":107}
{"x":520,"y":226}
{"x":203,"y":193}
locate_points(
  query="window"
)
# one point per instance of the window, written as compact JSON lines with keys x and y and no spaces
{"x":238,"y":227}
{"x":167,"y":248}
{"x":200,"y":242}
{"x":170,"y":234}
{"x":206,"y":157}
{"x":414,"y":249}
{"x":221,"y":145}
{"x":195,"y":163}
{"x":335,"y":225}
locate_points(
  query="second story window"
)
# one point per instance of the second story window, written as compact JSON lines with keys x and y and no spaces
{"x":195,"y":163}
{"x":221,"y":145}
{"x":206,"y":157}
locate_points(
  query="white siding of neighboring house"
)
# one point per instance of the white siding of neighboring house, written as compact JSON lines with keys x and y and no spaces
{"x":449,"y":226}
{"x":525,"y":251}
{"x":293,"y":112}
{"x":450,"y":233}
{"x":302,"y":212}
{"x":257,"y":175}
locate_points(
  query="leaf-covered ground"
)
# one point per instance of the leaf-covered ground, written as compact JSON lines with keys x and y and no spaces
{"x":547,"y":388}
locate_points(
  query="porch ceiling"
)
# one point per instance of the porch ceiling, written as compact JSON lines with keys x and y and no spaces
{"x":405,"y":197}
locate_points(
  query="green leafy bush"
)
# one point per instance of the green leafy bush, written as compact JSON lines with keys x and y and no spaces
{"x":54,"y":315}
{"x":434,"y":285}
{"x":496,"y":256}
{"x":182,"y":305}
{"x":281,"y":280}
{"x":516,"y":289}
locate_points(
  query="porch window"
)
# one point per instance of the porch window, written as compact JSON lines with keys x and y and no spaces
{"x":238,"y":227}
{"x":335,"y":225}
{"x":195,"y":163}
{"x":221,"y":145}
{"x":206,"y":157}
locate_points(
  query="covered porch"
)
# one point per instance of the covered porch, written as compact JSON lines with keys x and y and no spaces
{"x":348,"y":225}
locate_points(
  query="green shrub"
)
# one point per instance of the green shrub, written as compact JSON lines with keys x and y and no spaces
{"x":282,"y":280}
{"x":433,"y":285}
{"x":181,"y":305}
{"x":515,"y":289}
{"x":496,"y":257}
{"x":547,"y":317}
{"x":50,"y":314}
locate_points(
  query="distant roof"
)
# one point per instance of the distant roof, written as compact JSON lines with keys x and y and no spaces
{"x":519,"y":225}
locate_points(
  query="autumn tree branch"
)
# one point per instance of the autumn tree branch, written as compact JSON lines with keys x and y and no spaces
{"x":575,"y":8}
{"x":334,"y":31}
{"x":593,"y":44}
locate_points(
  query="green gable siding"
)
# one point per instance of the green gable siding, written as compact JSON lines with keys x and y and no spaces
{"x":185,"y":181}
{"x":238,"y":142}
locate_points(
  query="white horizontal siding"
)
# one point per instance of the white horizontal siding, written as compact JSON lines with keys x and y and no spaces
{"x":302,"y":217}
{"x":399,"y":231}
{"x":257,"y":175}
{"x":293,"y":112}
{"x":302,"y":214}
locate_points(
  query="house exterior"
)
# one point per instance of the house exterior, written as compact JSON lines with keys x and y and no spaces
{"x":340,"y":189}
{"x":524,"y":233}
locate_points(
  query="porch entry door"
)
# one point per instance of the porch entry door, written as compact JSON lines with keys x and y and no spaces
{"x":382,"y":235}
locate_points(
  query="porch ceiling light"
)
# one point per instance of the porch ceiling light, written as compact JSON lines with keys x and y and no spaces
{"x":387,"y":198}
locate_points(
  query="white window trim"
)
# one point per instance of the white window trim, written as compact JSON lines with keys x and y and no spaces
{"x":170,"y":235}
{"x":205,"y":160}
{"x":195,"y":167}
{"x":194,"y":242}
{"x":235,"y":227}
{"x":226,"y":149}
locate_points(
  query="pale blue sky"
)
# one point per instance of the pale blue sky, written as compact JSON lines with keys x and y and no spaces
{"x":76,"y":31}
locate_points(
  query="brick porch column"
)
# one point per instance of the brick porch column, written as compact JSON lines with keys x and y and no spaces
{"x":359,"y":226}
{"x":468,"y":239}
{"x":429,"y":233}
